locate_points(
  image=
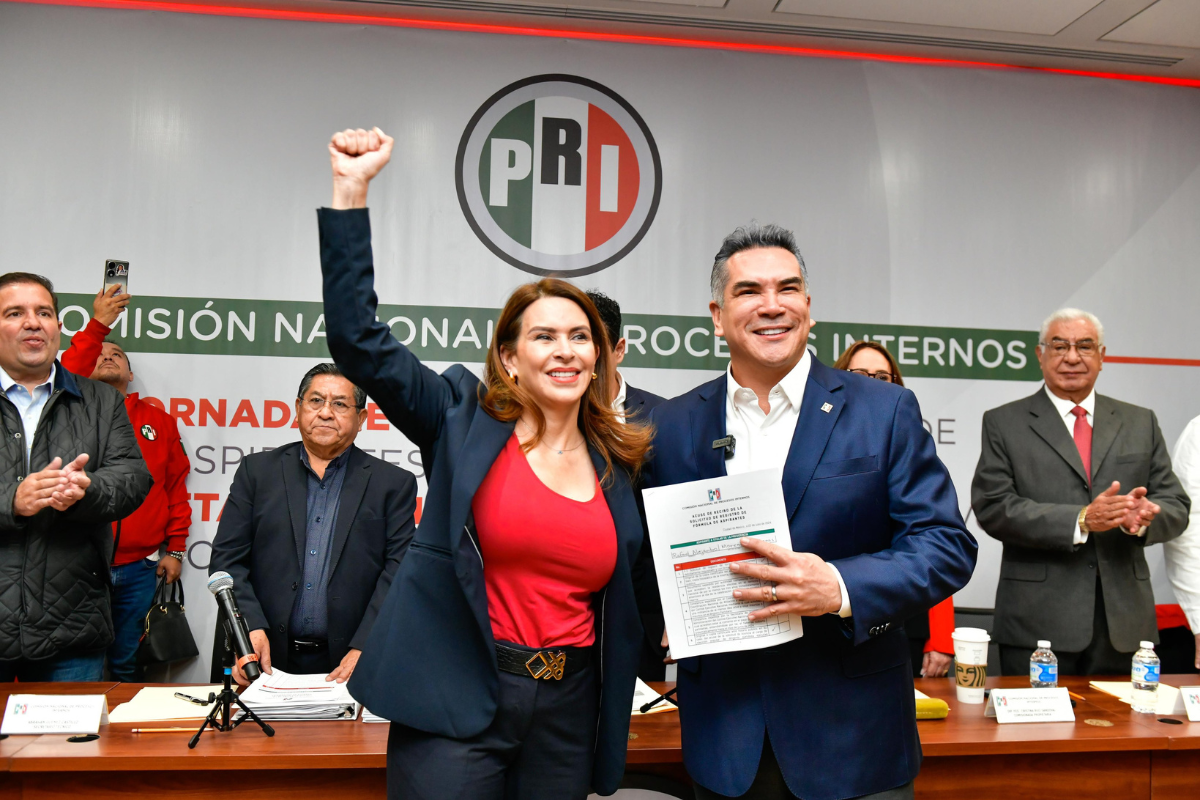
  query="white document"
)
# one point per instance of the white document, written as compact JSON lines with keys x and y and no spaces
{"x":1168,"y":699}
{"x":694,"y":533}
{"x":642,"y":694}
{"x":54,"y":713}
{"x":157,"y":703}
{"x":1030,"y":705}
{"x":282,"y":696}
{"x":1191,"y":702}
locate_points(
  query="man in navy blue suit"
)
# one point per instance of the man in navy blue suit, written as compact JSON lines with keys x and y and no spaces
{"x":637,"y":404}
{"x":877,"y":538}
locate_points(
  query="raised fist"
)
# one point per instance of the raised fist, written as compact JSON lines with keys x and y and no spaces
{"x":356,"y":157}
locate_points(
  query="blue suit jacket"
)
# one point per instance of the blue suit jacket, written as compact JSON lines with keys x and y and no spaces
{"x":639,"y":403}
{"x":865,"y":490}
{"x":430,"y":661}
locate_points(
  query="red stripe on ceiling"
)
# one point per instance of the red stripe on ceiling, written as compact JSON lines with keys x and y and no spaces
{"x":558,"y":33}
{"x":1160,"y":362}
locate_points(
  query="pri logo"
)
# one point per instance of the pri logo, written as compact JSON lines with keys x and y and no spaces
{"x":558,"y":175}
{"x":714,"y":495}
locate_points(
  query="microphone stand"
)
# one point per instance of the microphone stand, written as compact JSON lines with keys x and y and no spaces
{"x":226,"y":699}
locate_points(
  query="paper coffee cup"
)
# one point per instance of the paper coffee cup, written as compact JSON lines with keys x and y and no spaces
{"x":970,"y":663}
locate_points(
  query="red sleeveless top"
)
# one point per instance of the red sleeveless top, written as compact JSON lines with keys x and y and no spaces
{"x":544,"y":555}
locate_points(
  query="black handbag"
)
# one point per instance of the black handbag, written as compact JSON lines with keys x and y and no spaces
{"x":166,"y":636}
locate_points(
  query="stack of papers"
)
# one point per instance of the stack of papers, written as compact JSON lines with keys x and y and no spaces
{"x":281,"y":696}
{"x":643,"y":694}
{"x":159,"y":703}
{"x":369,"y":717}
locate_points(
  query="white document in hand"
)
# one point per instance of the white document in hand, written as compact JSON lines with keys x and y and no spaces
{"x":694,"y":536}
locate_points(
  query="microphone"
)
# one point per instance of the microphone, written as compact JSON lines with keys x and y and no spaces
{"x":221,"y":585}
{"x":728,"y":444}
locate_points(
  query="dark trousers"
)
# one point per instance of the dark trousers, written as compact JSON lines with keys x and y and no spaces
{"x":1098,"y":658}
{"x":133,"y":591}
{"x":769,"y":784}
{"x":539,"y":747}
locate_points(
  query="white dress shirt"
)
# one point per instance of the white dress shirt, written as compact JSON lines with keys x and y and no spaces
{"x":764,"y":439}
{"x":618,"y":404}
{"x":29,"y":406}
{"x":1182,"y":555}
{"x":1064,"y":407}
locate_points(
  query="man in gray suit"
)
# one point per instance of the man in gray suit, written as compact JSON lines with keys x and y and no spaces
{"x":1049,"y":486}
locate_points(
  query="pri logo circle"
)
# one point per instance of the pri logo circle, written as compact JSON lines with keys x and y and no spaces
{"x":558,"y":175}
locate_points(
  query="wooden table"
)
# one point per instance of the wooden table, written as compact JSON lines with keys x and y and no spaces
{"x":966,"y":755}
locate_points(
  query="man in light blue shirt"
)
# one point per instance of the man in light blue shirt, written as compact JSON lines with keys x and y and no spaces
{"x":29,"y":405}
{"x":65,"y":445}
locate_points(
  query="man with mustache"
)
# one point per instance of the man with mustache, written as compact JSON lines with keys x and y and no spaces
{"x":69,"y":467}
{"x":312,"y":534}
{"x":164,"y":518}
{"x":1076,"y":485}
{"x":166,"y":515}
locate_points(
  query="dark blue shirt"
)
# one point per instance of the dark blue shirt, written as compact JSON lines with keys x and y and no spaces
{"x":310,"y":614}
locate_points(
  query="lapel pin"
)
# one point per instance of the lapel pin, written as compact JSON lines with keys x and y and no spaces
{"x":827,"y":407}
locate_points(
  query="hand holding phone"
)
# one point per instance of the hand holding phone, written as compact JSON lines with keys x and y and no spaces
{"x":109,"y":304}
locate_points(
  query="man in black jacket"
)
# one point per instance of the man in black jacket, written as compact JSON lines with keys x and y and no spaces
{"x":635,"y":404}
{"x":69,"y":466}
{"x":312,"y":534}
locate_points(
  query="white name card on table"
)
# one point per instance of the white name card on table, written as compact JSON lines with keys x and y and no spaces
{"x":1030,"y":705}
{"x":54,"y":713}
{"x":1191,"y":702}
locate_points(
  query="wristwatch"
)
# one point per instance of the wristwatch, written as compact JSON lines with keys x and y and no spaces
{"x":178,"y":555}
{"x":1083,"y":528}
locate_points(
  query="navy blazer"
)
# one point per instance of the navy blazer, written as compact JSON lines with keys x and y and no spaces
{"x":260,"y":542}
{"x":430,"y":662}
{"x":865,"y":490}
{"x":639,"y":403}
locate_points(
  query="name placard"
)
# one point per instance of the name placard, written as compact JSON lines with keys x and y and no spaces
{"x":1030,"y":705}
{"x":1191,"y":701}
{"x":54,"y":713}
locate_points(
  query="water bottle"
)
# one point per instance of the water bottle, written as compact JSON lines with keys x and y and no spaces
{"x":1043,"y":667}
{"x":1145,"y":679}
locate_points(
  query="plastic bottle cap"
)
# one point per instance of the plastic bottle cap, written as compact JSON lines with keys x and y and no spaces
{"x":1044,"y":643}
{"x":1147,"y":645}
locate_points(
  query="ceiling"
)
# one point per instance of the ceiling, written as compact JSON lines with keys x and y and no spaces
{"x":1140,"y":37}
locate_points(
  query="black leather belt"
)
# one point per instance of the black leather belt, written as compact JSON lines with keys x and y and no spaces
{"x":550,"y":663}
{"x":309,"y":645}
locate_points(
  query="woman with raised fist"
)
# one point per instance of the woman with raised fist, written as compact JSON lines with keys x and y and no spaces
{"x":506,"y":651}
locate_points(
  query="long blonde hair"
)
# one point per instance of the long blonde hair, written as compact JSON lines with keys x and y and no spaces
{"x":623,"y":442}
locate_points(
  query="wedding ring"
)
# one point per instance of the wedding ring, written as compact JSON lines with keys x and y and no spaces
{"x":774,"y":596}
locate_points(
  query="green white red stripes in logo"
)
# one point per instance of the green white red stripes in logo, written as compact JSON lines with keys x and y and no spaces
{"x":557,"y":174}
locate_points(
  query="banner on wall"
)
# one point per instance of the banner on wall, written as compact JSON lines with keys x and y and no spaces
{"x":942,"y":212}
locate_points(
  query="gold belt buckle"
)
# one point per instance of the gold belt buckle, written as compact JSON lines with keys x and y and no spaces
{"x":551,"y":665}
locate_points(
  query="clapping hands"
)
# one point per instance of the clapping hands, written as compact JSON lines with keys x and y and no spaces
{"x":56,"y":487}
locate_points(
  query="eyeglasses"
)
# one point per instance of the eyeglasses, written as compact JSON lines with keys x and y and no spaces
{"x":881,"y":375}
{"x":340,"y":407}
{"x":1086,"y":348}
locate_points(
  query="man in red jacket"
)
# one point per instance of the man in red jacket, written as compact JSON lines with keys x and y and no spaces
{"x":166,"y":513}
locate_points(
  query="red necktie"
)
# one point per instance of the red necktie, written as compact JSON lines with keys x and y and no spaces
{"x":1083,"y":440}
